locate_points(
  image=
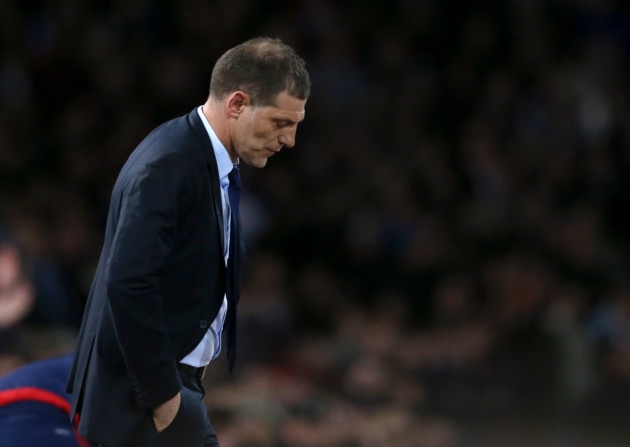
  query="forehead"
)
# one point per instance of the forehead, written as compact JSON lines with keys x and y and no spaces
{"x":288,"y":107}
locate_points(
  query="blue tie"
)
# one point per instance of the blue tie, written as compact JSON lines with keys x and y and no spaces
{"x":233,"y":267}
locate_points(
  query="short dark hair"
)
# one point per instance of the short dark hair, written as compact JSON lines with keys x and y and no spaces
{"x":263,"y":68}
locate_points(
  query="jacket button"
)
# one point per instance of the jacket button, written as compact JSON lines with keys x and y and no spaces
{"x":203,"y":324}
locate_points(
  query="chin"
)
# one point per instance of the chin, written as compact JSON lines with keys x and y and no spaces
{"x":261,"y":163}
{"x":257,"y":162}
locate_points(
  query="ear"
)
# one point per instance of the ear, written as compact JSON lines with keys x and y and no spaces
{"x":235,"y":103}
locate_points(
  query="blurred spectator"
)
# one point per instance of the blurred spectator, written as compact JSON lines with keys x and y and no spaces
{"x":16,"y":291}
{"x":17,"y":298}
{"x":35,"y":408}
{"x":265,"y":318}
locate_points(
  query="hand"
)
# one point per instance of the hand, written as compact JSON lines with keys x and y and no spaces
{"x":164,"y":413}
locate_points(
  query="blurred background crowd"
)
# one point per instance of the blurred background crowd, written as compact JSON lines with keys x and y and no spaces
{"x":441,"y":261}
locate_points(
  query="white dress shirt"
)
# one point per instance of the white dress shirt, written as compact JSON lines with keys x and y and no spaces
{"x":210,"y":346}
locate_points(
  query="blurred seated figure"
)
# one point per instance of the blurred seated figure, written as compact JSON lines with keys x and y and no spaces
{"x":17,"y":299}
{"x":16,"y":292}
{"x":34,"y":406}
{"x":54,"y":248}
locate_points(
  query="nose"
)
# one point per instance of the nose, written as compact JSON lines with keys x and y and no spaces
{"x":287,"y":139}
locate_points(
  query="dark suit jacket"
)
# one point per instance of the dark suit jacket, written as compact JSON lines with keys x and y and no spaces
{"x":159,"y":283}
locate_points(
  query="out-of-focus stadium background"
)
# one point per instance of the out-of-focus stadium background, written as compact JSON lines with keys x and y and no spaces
{"x":441,"y":261}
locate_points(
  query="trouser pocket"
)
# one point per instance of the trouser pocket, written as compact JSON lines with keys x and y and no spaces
{"x":187,"y":426}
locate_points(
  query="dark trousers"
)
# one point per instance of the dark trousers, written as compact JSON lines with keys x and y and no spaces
{"x":191,"y":426}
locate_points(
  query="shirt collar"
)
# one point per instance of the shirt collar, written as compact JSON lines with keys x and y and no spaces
{"x":224,"y":162}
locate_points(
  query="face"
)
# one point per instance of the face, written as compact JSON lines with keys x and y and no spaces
{"x":258,"y":133}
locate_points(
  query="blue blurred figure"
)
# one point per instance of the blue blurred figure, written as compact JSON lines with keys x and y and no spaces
{"x":34,"y":407}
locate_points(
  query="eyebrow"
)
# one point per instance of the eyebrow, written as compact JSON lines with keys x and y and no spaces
{"x":291,"y":120}
{"x":285,"y":120}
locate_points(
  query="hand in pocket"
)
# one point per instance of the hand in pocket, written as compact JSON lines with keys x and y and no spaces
{"x":164,"y":414}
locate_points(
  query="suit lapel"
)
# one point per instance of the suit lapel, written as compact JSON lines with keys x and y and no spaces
{"x":211,"y":162}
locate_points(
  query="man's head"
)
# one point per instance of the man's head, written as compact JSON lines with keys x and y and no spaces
{"x":263,"y":68}
{"x":258,"y":92}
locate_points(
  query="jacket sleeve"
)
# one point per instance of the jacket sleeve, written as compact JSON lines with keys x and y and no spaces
{"x":146,"y":230}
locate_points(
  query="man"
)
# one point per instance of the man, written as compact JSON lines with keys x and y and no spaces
{"x":168,"y":274}
{"x":34,"y":406}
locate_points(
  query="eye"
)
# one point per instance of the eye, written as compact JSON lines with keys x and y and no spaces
{"x":281,"y":124}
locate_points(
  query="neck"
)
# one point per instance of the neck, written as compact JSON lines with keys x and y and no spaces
{"x":213,"y":112}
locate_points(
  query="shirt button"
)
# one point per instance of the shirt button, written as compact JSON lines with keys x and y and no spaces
{"x":203,"y":324}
